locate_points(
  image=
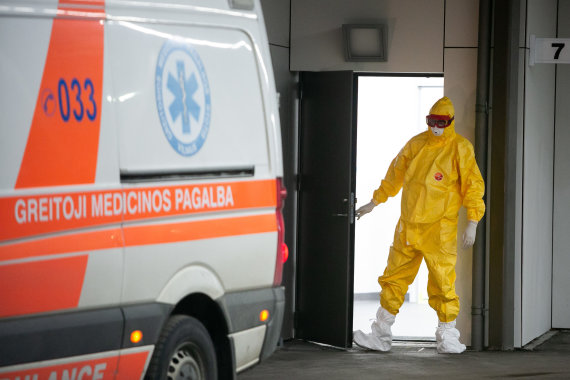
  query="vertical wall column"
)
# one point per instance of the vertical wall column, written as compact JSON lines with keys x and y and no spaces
{"x":538,"y":177}
{"x":277,"y":21}
{"x":460,"y":76}
{"x":561,"y":220}
{"x":504,"y":148}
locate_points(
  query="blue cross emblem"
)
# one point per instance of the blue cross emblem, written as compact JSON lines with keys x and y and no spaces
{"x":183,"y":90}
{"x":182,"y":97}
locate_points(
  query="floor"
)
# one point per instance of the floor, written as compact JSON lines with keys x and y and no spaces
{"x":415,"y":321}
{"x":298,"y":360}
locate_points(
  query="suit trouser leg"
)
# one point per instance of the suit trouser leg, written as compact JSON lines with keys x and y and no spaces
{"x":440,"y":260}
{"x":403,"y":264}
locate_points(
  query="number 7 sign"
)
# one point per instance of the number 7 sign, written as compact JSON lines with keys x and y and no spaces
{"x":549,"y":50}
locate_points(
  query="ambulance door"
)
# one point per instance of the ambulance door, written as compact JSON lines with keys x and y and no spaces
{"x":326,"y":208}
{"x":194,"y":157}
{"x":199,"y":190}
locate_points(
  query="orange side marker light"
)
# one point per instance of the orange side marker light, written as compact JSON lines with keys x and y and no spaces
{"x":264,"y":315}
{"x":136,"y":336}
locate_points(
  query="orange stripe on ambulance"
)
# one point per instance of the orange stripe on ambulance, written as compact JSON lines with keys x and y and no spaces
{"x":138,"y":202}
{"x":47,"y":209}
{"x":85,"y":372}
{"x":36,"y":214}
{"x":208,"y":197}
{"x":97,"y":369}
{"x":133,"y":202}
{"x":128,"y":202}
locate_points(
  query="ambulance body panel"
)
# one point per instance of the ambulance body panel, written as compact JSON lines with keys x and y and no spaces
{"x":141,"y":180}
{"x":20,"y":87}
{"x":103,"y":264}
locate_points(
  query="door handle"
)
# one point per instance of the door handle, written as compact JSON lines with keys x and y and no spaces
{"x":350,"y":205}
{"x":344,"y":201}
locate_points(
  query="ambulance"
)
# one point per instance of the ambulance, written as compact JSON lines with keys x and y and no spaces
{"x":141,"y":192}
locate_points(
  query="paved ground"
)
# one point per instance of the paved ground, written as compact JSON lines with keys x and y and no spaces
{"x":298,"y":360}
{"x":414,"y":320}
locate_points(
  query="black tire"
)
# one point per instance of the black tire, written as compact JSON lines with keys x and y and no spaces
{"x":183,"y":351}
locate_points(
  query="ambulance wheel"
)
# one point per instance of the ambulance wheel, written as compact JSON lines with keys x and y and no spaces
{"x":183,"y":351}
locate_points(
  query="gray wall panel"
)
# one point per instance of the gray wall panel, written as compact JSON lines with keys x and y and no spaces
{"x":286,"y":87}
{"x":414,"y":43}
{"x":517,"y":336}
{"x":538,"y":179}
{"x":460,"y":86}
{"x":561,"y":238}
{"x":461,"y":23}
{"x":277,"y":21}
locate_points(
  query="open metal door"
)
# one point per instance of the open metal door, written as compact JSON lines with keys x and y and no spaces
{"x":327,"y":163}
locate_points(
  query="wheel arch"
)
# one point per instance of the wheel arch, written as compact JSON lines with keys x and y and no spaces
{"x":190,"y":280}
{"x":193,"y":291}
{"x":211,"y":315}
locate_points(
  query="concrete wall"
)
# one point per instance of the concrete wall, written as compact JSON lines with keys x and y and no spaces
{"x":517,"y":323}
{"x":561,"y":237}
{"x":414,"y":43}
{"x":538,"y":177}
{"x":460,"y":85}
{"x":277,"y":20}
{"x":518,"y":244}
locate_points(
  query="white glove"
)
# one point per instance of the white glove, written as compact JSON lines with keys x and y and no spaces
{"x":365,"y":209}
{"x":469,"y":234}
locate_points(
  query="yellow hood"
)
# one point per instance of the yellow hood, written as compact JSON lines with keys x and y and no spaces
{"x":443,"y":107}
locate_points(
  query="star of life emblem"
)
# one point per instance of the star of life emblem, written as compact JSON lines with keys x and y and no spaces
{"x":182,"y":97}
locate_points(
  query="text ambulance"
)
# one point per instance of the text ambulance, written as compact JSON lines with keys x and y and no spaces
{"x":141,"y":232}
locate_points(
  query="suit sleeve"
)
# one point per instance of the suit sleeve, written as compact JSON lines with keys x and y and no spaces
{"x":472,"y":184}
{"x":394,"y":179}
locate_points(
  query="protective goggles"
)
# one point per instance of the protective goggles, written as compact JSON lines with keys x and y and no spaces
{"x":439,"y":121}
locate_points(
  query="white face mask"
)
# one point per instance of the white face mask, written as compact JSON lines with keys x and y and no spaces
{"x":436,"y":131}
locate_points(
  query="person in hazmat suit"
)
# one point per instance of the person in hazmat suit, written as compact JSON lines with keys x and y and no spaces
{"x":438,"y":174}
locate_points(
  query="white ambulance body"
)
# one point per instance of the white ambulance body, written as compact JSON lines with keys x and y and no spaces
{"x":140,"y":190}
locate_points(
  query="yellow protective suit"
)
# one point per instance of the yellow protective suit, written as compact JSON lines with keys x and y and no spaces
{"x":438,"y":175}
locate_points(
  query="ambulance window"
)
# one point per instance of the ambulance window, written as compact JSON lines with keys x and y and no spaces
{"x":185,"y":105}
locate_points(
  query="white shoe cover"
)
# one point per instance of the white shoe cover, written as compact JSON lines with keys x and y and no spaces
{"x":380,"y":339}
{"x":447,"y":337}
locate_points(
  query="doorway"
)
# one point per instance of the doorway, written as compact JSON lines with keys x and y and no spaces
{"x":390,"y":110}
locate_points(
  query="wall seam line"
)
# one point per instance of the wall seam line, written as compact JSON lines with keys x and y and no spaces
{"x":278,"y":45}
{"x":290,"y":18}
{"x":554,"y":174}
{"x":522,"y":173}
{"x":444,"y":28}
